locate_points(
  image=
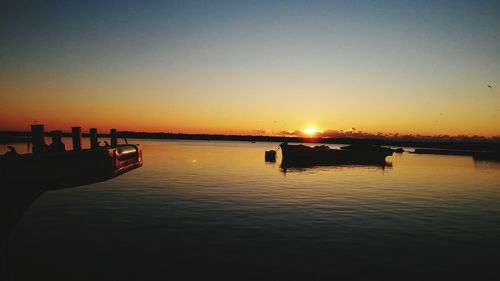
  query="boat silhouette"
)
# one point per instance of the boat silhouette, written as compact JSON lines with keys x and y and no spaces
{"x":306,"y":156}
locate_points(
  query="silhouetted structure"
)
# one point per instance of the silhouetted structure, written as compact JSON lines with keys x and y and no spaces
{"x":54,"y":167}
{"x":38,"y":138}
{"x":93,"y":138}
{"x":477,"y":155}
{"x":23,"y":177}
{"x":113,"y":135}
{"x":57,"y":145}
{"x":270,"y":156}
{"x":486,"y":156}
{"x":76,"y":135}
{"x":302,"y":155}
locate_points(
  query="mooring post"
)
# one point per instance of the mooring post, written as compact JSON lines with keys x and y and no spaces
{"x":76,"y":134}
{"x":113,"y":134}
{"x":93,"y":138}
{"x":38,"y":138}
{"x":270,"y":156}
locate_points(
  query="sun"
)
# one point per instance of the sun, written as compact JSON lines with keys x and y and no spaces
{"x":310,"y":130}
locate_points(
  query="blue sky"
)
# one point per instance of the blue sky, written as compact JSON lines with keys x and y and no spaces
{"x":225,"y":60}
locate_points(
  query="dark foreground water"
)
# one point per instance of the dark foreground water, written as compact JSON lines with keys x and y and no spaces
{"x":215,"y":210}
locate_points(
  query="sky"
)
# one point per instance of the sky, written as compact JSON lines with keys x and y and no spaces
{"x":252,"y":67}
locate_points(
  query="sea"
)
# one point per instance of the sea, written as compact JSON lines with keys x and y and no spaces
{"x":215,"y":210}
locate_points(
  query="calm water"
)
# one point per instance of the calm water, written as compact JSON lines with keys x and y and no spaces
{"x":216,"y":210}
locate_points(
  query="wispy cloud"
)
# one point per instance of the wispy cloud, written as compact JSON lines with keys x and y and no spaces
{"x":262,"y":132}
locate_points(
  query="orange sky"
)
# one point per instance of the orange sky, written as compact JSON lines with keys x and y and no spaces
{"x":154,"y":108}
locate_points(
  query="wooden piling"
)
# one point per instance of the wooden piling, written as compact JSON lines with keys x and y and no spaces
{"x":270,"y":156}
{"x":38,"y":138}
{"x":93,"y":138}
{"x":113,"y":134}
{"x":76,"y":134}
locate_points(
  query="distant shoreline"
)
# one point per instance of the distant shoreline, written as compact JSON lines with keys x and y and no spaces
{"x":476,"y":145}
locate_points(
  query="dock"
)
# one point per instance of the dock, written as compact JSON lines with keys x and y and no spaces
{"x":53,"y":167}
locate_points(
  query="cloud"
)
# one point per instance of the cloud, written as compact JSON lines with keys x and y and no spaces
{"x":351,"y":132}
{"x":291,"y":133}
{"x":261,"y":132}
{"x":355,"y":133}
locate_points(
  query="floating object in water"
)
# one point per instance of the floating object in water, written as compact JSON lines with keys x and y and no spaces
{"x":270,"y":156}
{"x":323,"y":155}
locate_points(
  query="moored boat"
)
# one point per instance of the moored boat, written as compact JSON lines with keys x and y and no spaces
{"x":323,"y":155}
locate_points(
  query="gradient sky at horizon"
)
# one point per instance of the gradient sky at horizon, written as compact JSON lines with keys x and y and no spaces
{"x":239,"y":67}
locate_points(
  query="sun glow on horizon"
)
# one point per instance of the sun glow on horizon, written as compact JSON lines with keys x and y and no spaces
{"x":311,"y":131}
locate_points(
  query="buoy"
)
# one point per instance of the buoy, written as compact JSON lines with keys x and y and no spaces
{"x":270,"y":156}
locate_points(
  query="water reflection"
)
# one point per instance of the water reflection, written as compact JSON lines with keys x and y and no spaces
{"x":287,"y":167}
{"x":487,"y":164}
{"x":15,"y":200}
{"x":216,"y":210}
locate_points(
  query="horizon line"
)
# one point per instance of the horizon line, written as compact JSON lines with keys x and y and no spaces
{"x":341,"y":135}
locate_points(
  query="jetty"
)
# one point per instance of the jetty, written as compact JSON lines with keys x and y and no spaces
{"x":53,"y":167}
{"x":24,"y":177}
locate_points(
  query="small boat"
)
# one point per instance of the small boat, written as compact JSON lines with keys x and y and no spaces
{"x":323,"y":155}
